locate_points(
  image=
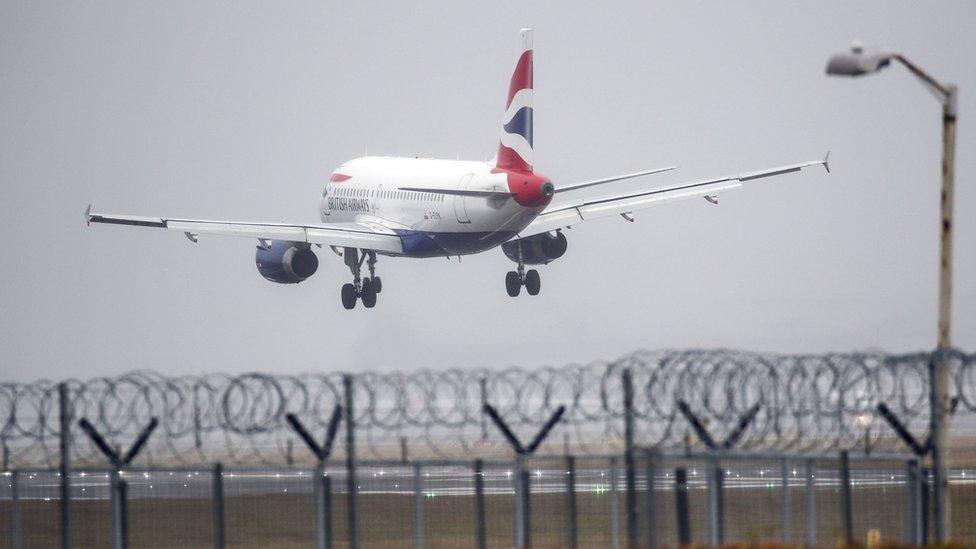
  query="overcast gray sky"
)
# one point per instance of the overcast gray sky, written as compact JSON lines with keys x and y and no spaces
{"x":234,"y":110}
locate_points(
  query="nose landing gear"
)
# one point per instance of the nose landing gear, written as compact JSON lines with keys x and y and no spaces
{"x":364,"y":289}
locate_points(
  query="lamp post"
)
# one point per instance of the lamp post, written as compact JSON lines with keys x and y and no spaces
{"x":857,"y":62}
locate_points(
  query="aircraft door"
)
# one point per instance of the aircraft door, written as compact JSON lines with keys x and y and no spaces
{"x":460,"y":208}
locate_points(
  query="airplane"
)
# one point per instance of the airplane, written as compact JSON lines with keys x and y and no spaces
{"x":427,"y":208}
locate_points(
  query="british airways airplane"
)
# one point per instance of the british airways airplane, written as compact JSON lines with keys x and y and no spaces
{"x":420,"y":207}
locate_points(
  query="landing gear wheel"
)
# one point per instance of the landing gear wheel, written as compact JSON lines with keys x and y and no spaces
{"x":378,"y":284}
{"x":532,"y":282}
{"x":368,"y":293}
{"x":348,"y":296}
{"x":513,"y":283}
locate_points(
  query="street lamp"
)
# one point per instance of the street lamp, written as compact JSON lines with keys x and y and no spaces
{"x":858,"y":63}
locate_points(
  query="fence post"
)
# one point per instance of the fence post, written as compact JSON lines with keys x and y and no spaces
{"x":571,"y":501}
{"x":64,"y":440}
{"x":479,"y":505}
{"x":913,"y":525}
{"x":483,"y":387}
{"x":681,"y":506}
{"x":784,"y":500}
{"x":614,"y":504}
{"x":524,"y":517}
{"x":418,"y":507}
{"x":811,"y":506}
{"x":124,"y":511}
{"x":923,"y":488}
{"x":15,"y":510}
{"x":219,"y":528}
{"x":523,"y":514}
{"x":118,"y":494}
{"x":322,"y":510}
{"x":326,"y":486}
{"x":517,"y":490}
{"x":352,"y":486}
{"x":630,"y":472}
{"x":321,"y":483}
{"x":119,"y":488}
{"x":651,"y":458}
{"x":715,"y":477}
{"x":846,"y":509}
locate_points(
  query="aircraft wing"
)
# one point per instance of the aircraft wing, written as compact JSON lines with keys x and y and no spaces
{"x":557,"y":216}
{"x":365,"y":236}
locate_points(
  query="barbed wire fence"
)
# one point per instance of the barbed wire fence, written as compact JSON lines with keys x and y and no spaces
{"x":808,"y":403}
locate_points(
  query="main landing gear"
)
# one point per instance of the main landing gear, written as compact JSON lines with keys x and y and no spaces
{"x":360,"y":288}
{"x":514,"y":280}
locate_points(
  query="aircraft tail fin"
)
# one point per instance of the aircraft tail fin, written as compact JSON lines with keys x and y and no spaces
{"x":515,"y":143}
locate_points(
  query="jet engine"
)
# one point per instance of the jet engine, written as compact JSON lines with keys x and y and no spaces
{"x":286,"y":262}
{"x":538,"y":249}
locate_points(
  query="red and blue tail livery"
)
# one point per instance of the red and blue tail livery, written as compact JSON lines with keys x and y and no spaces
{"x":424,"y":208}
{"x":515,"y":146}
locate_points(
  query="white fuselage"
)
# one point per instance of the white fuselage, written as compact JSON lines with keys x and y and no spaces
{"x":368,"y":190}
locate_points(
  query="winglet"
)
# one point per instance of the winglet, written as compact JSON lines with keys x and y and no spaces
{"x":825,"y":164}
{"x":88,"y":215}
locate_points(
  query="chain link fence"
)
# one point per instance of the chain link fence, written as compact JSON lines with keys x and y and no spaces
{"x":665,"y":448}
{"x":779,"y":498}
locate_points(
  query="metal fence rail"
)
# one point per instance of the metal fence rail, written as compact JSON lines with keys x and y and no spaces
{"x":807,"y":403}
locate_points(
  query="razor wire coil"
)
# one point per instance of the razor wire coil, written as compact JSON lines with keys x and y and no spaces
{"x":807,"y":403}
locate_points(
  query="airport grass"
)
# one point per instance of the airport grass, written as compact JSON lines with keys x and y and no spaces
{"x":753,"y":518}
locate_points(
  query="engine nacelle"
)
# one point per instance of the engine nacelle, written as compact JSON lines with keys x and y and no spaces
{"x":537,"y":249}
{"x":286,"y":262}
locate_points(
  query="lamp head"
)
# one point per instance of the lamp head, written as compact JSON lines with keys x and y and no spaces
{"x":857,"y":62}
